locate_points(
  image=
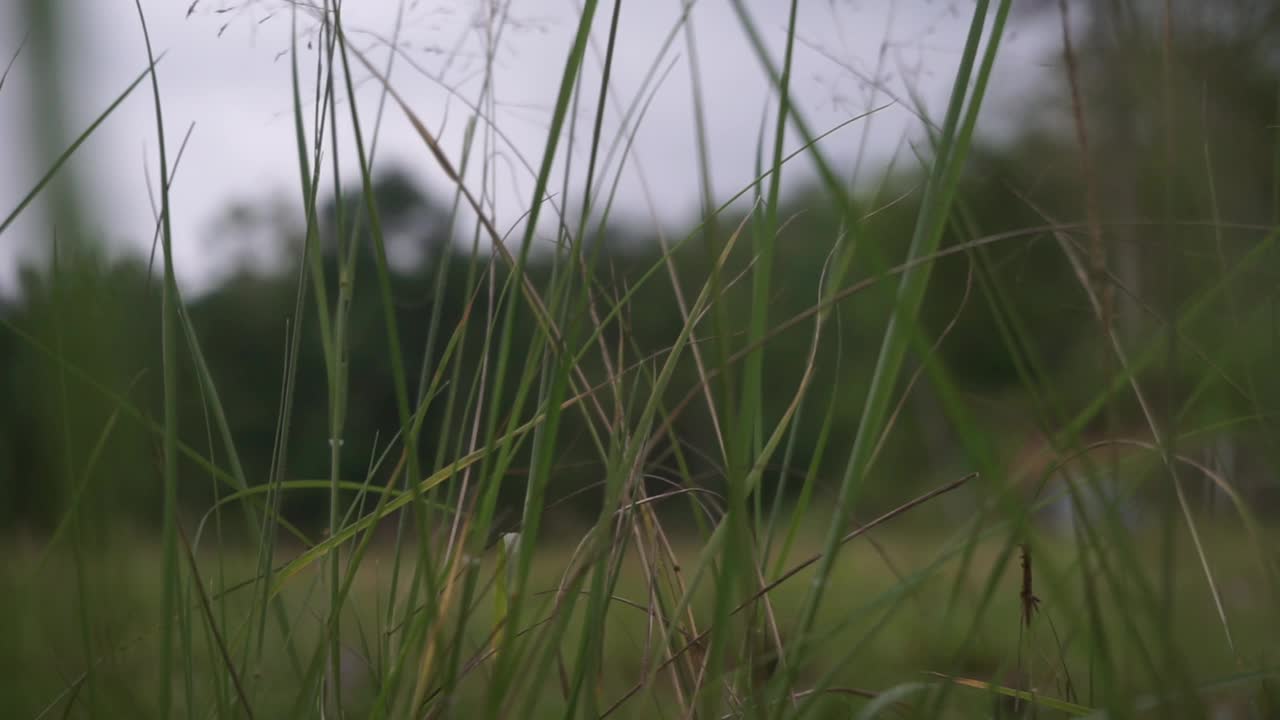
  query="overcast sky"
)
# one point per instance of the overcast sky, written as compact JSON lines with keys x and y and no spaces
{"x":226,"y":70}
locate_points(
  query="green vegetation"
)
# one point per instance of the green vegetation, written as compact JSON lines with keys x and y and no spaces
{"x":891,"y":614}
{"x":992,"y":435}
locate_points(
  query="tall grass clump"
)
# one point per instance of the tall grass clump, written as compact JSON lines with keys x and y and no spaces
{"x":791,"y":500}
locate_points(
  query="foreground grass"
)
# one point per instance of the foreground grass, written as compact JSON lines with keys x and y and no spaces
{"x":416,"y":603}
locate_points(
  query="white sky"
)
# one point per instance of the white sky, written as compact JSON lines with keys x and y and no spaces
{"x":228,"y":72}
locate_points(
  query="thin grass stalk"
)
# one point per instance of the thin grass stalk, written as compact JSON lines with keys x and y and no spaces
{"x":747,"y":437}
{"x":567,"y":87}
{"x":753,"y":369}
{"x":545,"y":437}
{"x":633,"y":452}
{"x":458,"y":491}
{"x":710,"y":232}
{"x":441,"y":260}
{"x":1049,"y":413}
{"x":421,"y":569}
{"x":935,"y":208}
{"x":568,"y":83}
{"x":345,"y":259}
{"x":311,"y":260}
{"x":75,"y":145}
{"x":576,"y":315}
{"x":169,"y":322}
{"x":427,"y":616}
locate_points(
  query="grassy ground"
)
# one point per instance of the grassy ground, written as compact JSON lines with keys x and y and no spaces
{"x":889,"y":620}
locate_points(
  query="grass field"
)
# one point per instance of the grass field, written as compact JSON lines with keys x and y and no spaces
{"x":897,"y":617}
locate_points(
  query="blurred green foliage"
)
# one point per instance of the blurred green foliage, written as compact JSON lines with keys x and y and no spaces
{"x":1182,"y":159}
